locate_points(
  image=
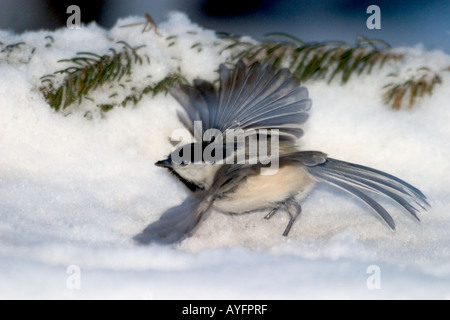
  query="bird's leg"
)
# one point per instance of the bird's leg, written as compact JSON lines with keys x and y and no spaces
{"x":294,"y":209}
{"x":272,"y":212}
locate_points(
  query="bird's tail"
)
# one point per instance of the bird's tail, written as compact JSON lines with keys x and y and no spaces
{"x":176,"y":223}
{"x":361,"y":181}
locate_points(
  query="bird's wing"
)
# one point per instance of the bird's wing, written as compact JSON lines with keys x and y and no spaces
{"x":177,"y":223}
{"x":305,"y":158}
{"x":250,"y":97}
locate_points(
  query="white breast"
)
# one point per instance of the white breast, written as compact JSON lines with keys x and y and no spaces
{"x":265,"y":191}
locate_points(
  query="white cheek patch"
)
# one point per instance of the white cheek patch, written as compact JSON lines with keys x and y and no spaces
{"x":201,"y":175}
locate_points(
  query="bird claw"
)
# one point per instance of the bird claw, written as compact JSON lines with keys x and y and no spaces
{"x":294,"y":210}
{"x":271,"y":213}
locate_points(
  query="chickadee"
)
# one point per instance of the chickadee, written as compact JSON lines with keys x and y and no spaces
{"x":261,"y":103}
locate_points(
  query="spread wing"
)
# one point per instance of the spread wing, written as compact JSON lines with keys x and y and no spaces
{"x":250,"y":97}
{"x":177,"y":222}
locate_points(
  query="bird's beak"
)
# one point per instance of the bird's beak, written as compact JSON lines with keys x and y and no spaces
{"x":163,"y":163}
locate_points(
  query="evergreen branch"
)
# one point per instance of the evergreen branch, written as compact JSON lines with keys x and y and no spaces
{"x":88,"y":72}
{"x":329,"y":60}
{"x":16,"y":53}
{"x":417,"y":85}
{"x":309,"y":61}
{"x":162,"y":86}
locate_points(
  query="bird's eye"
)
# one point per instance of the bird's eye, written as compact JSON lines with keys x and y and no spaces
{"x":184,"y":163}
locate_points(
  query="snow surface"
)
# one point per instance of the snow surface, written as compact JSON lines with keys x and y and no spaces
{"x":73,"y":191}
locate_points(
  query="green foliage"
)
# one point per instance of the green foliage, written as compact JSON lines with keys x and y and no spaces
{"x":309,"y":61}
{"x":16,"y":53}
{"x":420,"y":83}
{"x":330,"y":60}
{"x":326,"y":61}
{"x":161,"y":86}
{"x":89,"y":71}
{"x":86,"y":73}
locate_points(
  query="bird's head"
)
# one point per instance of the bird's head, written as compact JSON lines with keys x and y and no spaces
{"x":189,"y":165}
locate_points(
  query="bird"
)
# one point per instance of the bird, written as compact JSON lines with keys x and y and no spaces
{"x":258,"y":104}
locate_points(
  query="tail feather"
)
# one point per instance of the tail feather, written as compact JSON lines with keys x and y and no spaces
{"x":378,"y":186}
{"x":381,"y":178}
{"x":357,"y":180}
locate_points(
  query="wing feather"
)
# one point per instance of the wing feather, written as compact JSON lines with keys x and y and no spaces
{"x":250,"y":97}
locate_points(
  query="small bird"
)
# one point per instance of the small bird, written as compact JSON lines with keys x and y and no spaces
{"x":266,"y":106}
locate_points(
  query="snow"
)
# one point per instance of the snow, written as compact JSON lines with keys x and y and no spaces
{"x":73,"y":191}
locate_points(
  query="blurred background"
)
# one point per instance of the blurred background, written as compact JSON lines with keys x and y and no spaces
{"x":403,"y":23}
